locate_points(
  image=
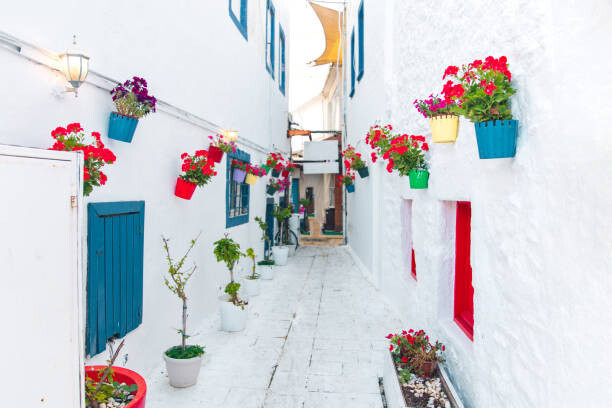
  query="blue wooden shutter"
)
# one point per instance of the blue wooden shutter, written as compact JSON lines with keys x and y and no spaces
{"x":295,"y":190}
{"x":352,"y":92}
{"x":360,"y":39}
{"x":114,"y":278}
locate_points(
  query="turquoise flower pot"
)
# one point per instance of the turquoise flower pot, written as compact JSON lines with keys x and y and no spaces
{"x":121,"y":127}
{"x":496,"y":138}
{"x":350,"y":189}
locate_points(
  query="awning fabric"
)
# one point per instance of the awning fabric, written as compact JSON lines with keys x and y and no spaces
{"x":333,"y":37}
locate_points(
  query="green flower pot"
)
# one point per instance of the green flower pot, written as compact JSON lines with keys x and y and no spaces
{"x":418,"y":179}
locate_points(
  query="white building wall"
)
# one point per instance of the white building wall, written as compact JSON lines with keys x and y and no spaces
{"x":194,"y":57}
{"x":540,"y":221}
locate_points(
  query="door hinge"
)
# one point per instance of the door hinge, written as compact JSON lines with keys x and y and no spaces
{"x":73,"y":201}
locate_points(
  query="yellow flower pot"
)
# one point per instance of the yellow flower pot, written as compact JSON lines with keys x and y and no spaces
{"x":251,"y":179}
{"x":444,"y":128}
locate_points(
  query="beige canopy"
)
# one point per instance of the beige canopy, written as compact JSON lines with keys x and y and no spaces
{"x":333,"y":35}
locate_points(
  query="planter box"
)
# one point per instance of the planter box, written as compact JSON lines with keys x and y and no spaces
{"x":215,"y":153}
{"x":393,"y":388}
{"x":444,"y":128}
{"x":184,"y":189}
{"x":363,"y":172}
{"x":123,"y":375}
{"x":121,"y":127}
{"x":419,"y":179}
{"x":496,"y":138}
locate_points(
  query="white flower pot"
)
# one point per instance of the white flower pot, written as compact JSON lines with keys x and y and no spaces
{"x":233,"y":318}
{"x":294,"y":225}
{"x":266,"y":272}
{"x":183,"y":372}
{"x":251,"y":286}
{"x":280,"y":255}
{"x":291,"y":250}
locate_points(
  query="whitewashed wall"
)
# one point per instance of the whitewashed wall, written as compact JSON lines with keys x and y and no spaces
{"x":540,"y":222}
{"x":193,"y":56}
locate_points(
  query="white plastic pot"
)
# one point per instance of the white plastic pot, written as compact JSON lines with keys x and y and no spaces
{"x":294,"y":226}
{"x":251,"y":286}
{"x":183,"y":372}
{"x":266,"y":272}
{"x":233,"y":318}
{"x":291,"y":250}
{"x":280,"y":255}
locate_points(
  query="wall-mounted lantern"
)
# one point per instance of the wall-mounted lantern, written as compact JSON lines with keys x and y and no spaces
{"x":75,"y":65}
{"x":230,"y":135}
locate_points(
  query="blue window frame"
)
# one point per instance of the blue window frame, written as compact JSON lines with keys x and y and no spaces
{"x":352,"y":64}
{"x":114,"y":278}
{"x":237,"y":195}
{"x":281,"y":63}
{"x":241,"y":19}
{"x":270,"y":37}
{"x":361,"y":42}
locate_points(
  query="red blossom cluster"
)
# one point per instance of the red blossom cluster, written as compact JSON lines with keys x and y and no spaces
{"x":346,"y":179}
{"x":352,"y":159}
{"x":406,"y":153}
{"x":256,"y":170}
{"x":275,"y":161}
{"x":239,"y":165}
{"x":197,"y":168}
{"x":96,"y":155}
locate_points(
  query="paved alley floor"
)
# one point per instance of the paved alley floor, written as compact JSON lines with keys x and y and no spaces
{"x":314,"y":338}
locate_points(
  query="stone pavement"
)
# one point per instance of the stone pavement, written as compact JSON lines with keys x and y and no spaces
{"x":314,"y":338}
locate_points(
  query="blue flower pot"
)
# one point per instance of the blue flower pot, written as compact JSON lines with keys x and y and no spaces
{"x":351,"y":188}
{"x":121,"y":127}
{"x":496,"y":138}
{"x":363,"y":172}
{"x":239,"y":175}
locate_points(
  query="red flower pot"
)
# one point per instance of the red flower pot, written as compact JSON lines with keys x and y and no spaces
{"x":285,"y":173}
{"x":123,"y":375}
{"x":215,"y":153}
{"x":184,"y":189}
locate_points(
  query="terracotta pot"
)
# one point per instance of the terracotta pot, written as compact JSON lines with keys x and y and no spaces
{"x":429,"y":367}
{"x":215,"y":153}
{"x":123,"y":375}
{"x":184,"y":189}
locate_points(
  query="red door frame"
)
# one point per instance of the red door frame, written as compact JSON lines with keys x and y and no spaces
{"x":464,"y":291}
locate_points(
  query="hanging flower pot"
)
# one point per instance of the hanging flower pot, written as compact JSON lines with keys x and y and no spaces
{"x":215,"y":154}
{"x":496,"y":138}
{"x":363,"y":172}
{"x":275,"y":173}
{"x":184,"y":189}
{"x":285,"y":173}
{"x":121,"y":127}
{"x":418,"y":178}
{"x":271,"y":190}
{"x":251,"y":179}
{"x":444,"y":128}
{"x":266,"y":168}
{"x":350,"y":188}
{"x":239,"y":175}
{"x":132,"y":101}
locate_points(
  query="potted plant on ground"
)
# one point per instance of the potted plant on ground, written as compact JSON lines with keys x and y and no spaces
{"x":218,"y":146}
{"x":183,"y":362}
{"x":273,"y":187}
{"x":233,"y":311}
{"x":110,"y":386}
{"x":347,"y":180}
{"x":353,"y":160}
{"x":253,"y":173}
{"x":238,"y":171}
{"x":442,"y":115}
{"x":266,"y":267}
{"x":274,"y":162}
{"x":484,"y":90}
{"x":406,"y":154}
{"x":414,"y":378}
{"x":280,"y":252}
{"x":95,"y":155}
{"x":251,"y":281}
{"x":197,"y":169}
{"x":132,"y":102}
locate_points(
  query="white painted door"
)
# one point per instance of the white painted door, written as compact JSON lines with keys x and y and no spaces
{"x":40,"y":290}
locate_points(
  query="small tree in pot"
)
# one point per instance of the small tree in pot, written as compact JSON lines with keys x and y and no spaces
{"x":251,"y":282}
{"x":182,"y":362}
{"x":233,"y":312}
{"x":280,"y":252}
{"x":266,"y":266}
